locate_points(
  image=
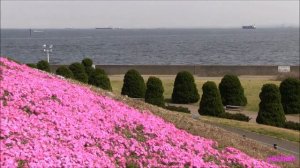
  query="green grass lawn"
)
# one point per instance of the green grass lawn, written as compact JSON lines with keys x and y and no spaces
{"x":252,"y":86}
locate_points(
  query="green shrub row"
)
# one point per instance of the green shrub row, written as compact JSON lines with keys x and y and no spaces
{"x":236,"y":116}
{"x":178,"y":108}
{"x":292,"y":125}
{"x":83,"y":72}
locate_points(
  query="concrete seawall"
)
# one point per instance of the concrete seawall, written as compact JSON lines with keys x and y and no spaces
{"x":200,"y":70}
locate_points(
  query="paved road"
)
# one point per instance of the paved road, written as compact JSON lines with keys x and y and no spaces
{"x":282,"y":145}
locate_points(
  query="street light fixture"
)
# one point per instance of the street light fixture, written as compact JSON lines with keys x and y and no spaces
{"x":48,"y":50}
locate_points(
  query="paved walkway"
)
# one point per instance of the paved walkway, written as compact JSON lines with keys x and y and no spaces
{"x":282,"y":145}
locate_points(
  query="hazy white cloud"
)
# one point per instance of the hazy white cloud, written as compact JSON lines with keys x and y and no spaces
{"x":147,"y":14}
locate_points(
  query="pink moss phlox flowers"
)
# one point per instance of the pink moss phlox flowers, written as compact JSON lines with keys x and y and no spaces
{"x":47,"y":121}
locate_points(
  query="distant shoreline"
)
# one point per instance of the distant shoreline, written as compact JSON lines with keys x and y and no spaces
{"x":200,"y":70}
{"x":162,"y":28}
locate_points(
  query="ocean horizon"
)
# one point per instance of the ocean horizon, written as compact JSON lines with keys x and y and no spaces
{"x":158,"y":46}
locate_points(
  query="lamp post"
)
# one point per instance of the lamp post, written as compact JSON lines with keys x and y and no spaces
{"x":48,"y":50}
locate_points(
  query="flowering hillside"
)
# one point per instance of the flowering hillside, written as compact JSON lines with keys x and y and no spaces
{"x":47,"y":121}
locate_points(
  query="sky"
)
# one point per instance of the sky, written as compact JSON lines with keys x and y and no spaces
{"x":148,"y":14}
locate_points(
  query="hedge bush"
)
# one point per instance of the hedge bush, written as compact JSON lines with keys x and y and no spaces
{"x":178,"y":108}
{"x":102,"y":81}
{"x":232,"y":92}
{"x":79,"y":72}
{"x":65,"y":72}
{"x":185,"y":90}
{"x":43,"y":65}
{"x":236,"y":116}
{"x":290,"y":95}
{"x":210,"y":103}
{"x":133,"y":84}
{"x":154,"y":93}
{"x":270,"y":108}
{"x":32,"y":65}
{"x":292,"y":125}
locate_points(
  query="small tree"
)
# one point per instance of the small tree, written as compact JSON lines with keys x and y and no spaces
{"x":102,"y":81}
{"x":290,"y":95}
{"x":43,"y":65}
{"x":211,"y":103}
{"x":64,"y":71}
{"x":270,"y":108}
{"x":79,"y":72}
{"x":133,"y":84}
{"x":185,"y":90}
{"x":232,"y":92}
{"x":154,"y":93}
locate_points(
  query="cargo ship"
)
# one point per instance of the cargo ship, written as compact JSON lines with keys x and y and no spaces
{"x":105,"y":28}
{"x":249,"y":27}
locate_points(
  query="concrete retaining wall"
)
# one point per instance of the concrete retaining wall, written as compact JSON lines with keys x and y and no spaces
{"x":200,"y":70}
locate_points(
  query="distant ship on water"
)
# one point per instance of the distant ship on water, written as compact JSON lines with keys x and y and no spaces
{"x":104,"y":28}
{"x":249,"y":27}
{"x":35,"y":31}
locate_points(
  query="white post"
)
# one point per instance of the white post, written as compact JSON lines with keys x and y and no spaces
{"x":48,"y":50}
{"x":48,"y":56}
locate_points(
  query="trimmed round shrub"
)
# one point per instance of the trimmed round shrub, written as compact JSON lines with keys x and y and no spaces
{"x":133,"y":84}
{"x":270,"y":108}
{"x":32,"y":65}
{"x":79,"y":72}
{"x":290,"y":95}
{"x":185,"y":90}
{"x":232,"y":92}
{"x":82,"y":77}
{"x":211,"y":103}
{"x":65,"y":72}
{"x":87,"y":62}
{"x":94,"y":73}
{"x":76,"y":68}
{"x":89,"y":70}
{"x":102,"y":81}
{"x":154,"y":93}
{"x":99,"y":71}
{"x":43,"y":65}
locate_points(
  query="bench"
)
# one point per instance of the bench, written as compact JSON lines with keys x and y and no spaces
{"x":233,"y":108}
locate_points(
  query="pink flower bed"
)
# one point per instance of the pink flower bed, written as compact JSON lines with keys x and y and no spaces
{"x":49,"y":122}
